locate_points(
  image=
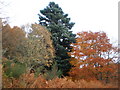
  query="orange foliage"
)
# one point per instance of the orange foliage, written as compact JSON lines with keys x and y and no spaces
{"x":92,"y":56}
{"x":29,"y":81}
{"x":11,"y":39}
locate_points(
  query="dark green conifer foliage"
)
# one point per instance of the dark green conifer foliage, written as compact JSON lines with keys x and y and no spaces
{"x":60,"y":27}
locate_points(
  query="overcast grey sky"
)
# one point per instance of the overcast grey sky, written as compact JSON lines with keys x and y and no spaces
{"x":94,"y":15}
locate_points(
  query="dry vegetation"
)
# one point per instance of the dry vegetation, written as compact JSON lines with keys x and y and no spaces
{"x":29,"y":81}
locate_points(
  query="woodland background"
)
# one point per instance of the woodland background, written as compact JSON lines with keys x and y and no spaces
{"x":49,"y":55}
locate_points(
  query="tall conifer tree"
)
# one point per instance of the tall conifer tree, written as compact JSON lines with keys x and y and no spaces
{"x":60,"y":27}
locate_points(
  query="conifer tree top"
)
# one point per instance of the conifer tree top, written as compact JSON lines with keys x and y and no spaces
{"x":53,"y":14}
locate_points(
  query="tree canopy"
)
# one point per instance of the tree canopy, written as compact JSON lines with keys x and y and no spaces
{"x":32,"y":49}
{"x":93,"y":56}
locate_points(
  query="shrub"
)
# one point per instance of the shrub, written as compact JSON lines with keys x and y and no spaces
{"x":12,"y":69}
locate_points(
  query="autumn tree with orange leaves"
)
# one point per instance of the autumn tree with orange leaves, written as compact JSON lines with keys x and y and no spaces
{"x":92,"y":56}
